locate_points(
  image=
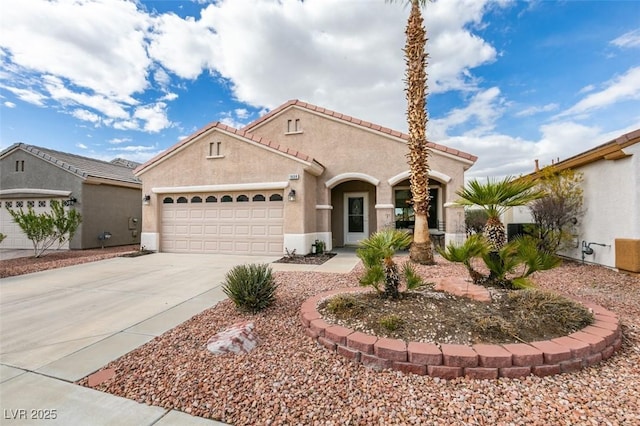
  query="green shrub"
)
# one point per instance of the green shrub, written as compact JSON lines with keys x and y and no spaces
{"x":251,"y":287}
{"x":390,"y":322}
{"x":345,"y":305}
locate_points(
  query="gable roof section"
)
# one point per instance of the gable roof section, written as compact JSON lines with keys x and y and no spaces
{"x":316,"y":167}
{"x":612,"y":150}
{"x":356,"y":122}
{"x":83,"y":167}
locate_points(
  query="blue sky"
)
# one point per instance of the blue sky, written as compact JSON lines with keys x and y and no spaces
{"x":509,"y":81}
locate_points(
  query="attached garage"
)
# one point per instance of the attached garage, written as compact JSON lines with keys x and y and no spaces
{"x":15,"y":237}
{"x":248,"y":223}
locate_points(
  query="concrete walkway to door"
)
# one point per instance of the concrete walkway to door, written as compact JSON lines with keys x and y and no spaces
{"x":60,"y":325}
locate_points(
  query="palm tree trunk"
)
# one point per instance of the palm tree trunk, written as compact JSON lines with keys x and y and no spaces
{"x":416,"y":89}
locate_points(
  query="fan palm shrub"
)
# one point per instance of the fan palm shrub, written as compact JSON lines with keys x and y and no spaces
{"x":495,"y":197}
{"x":473,"y":247}
{"x":521,"y":252}
{"x":376,"y":253}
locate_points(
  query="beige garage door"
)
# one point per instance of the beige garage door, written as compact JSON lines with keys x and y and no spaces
{"x":236,"y":223}
{"x":15,"y":238}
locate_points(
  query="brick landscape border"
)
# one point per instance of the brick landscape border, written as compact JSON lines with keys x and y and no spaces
{"x":566,"y":354}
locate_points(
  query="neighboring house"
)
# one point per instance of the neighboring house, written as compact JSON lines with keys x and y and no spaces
{"x":609,"y":232}
{"x":298,"y":174}
{"x":107,"y":195}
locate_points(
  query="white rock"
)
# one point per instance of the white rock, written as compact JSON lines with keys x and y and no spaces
{"x":238,"y":339}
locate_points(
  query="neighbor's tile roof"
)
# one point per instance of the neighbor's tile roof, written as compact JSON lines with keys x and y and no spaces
{"x":83,"y":167}
{"x":356,"y":121}
{"x":612,"y":150}
{"x":217,"y":125}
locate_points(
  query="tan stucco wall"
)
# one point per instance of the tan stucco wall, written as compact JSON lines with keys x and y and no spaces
{"x":241,"y":163}
{"x":344,"y":148}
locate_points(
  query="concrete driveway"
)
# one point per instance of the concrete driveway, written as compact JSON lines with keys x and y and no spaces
{"x":67,"y":323}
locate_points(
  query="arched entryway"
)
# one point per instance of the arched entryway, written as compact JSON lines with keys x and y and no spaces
{"x":353,"y":217}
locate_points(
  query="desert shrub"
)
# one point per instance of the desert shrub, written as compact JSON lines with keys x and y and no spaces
{"x":48,"y":228}
{"x":557,"y":310}
{"x":494,"y":325}
{"x":251,"y":287}
{"x":390,"y":322}
{"x":344,"y":305}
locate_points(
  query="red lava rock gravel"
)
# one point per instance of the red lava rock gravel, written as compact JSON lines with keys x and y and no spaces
{"x":290,"y":379}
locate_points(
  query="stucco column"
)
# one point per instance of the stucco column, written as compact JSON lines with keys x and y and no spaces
{"x":385,"y":216}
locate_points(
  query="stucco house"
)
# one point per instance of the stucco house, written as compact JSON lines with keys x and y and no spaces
{"x":298,"y":174}
{"x":609,"y":232}
{"x":106,"y":194}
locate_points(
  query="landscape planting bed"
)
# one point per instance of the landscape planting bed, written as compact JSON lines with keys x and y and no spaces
{"x":570,"y":353}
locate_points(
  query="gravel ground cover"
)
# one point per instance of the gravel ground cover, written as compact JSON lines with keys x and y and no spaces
{"x":290,"y":380}
{"x":60,"y":258}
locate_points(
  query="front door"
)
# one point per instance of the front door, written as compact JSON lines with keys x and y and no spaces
{"x":356,"y":217}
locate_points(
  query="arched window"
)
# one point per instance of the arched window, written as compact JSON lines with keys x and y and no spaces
{"x":226,"y":199}
{"x":275,"y":197}
{"x":211,"y":199}
{"x":196,"y":199}
{"x":242,"y":199}
{"x":182,"y":200}
{"x":167,"y":200}
{"x":258,"y":197}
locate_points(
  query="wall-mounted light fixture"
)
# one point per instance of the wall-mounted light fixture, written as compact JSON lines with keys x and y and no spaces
{"x":292,"y":195}
{"x":71,"y":201}
{"x":146,"y":199}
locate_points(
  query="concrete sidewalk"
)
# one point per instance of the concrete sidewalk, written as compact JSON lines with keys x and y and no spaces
{"x":59,"y":326}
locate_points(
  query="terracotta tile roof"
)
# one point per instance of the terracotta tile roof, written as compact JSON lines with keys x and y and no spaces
{"x":356,"y":121}
{"x":217,"y":125}
{"x":83,"y":167}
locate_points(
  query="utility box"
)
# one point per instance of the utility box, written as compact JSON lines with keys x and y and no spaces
{"x":628,"y":254}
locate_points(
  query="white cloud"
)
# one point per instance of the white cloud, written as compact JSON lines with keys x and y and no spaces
{"x":100,"y":48}
{"x":9,"y":104}
{"x":117,"y":141}
{"x":533,"y":110}
{"x":81,"y":146}
{"x":84,"y":115}
{"x":621,"y":88}
{"x":629,"y":39}
{"x":28,"y":95}
{"x":153,"y":116}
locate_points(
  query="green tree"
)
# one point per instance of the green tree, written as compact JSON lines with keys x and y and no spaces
{"x":495,"y":197}
{"x":377,"y":253}
{"x":474,"y":220}
{"x":555,"y":214}
{"x":48,"y":228}
{"x":418,"y":155}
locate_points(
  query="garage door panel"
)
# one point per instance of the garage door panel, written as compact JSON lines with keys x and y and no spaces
{"x":275,"y":213}
{"x":259,"y":213}
{"x":196,"y":214}
{"x":232,"y":227}
{"x":242,"y":213}
{"x":242,"y":230}
{"x":182,"y":213}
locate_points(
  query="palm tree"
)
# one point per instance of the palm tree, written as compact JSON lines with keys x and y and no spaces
{"x":377,"y":253}
{"x":495,"y":197}
{"x":416,"y":91}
